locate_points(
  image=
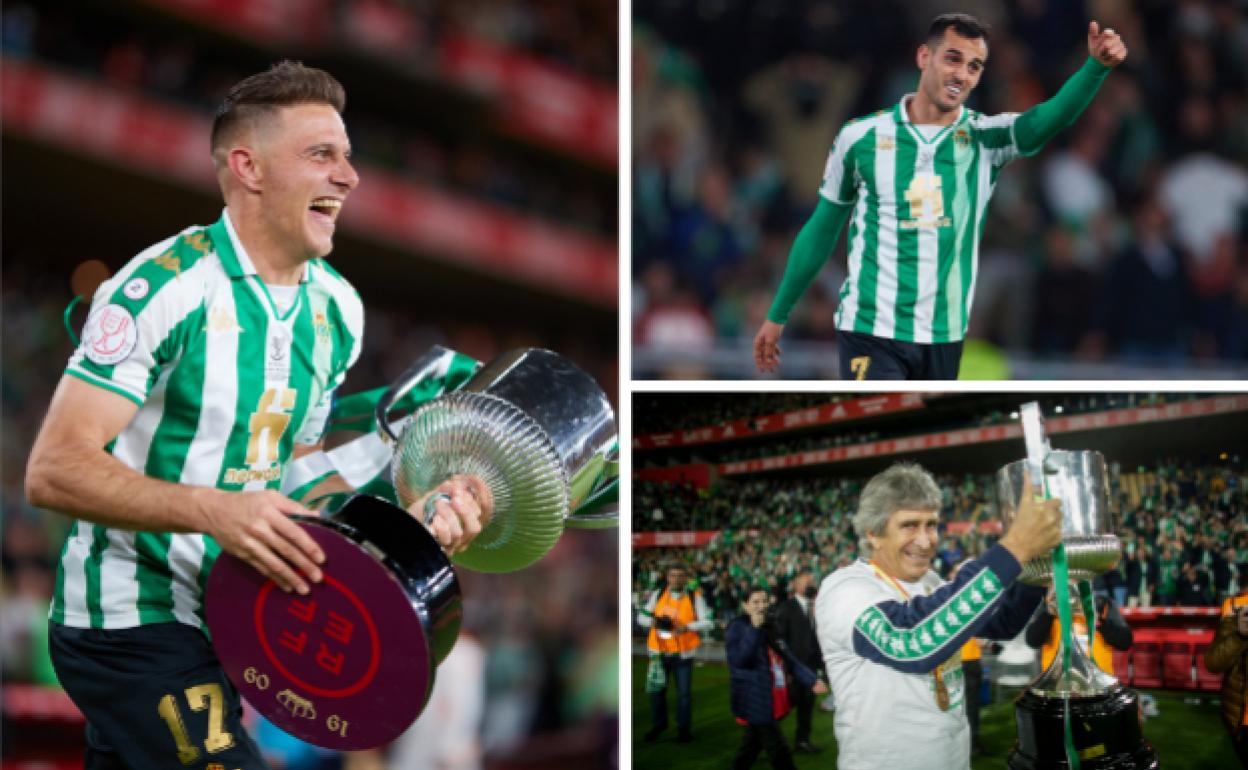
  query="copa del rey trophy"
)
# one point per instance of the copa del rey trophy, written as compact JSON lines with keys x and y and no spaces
{"x":1073,"y":714}
{"x":351,"y":665}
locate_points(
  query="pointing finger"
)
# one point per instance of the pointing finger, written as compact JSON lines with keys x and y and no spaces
{"x":1094,"y":29}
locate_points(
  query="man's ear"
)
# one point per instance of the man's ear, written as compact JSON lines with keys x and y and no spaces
{"x":245,"y":165}
{"x":922,"y":56}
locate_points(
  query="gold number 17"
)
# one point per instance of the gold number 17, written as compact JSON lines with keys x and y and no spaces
{"x":199,"y":697}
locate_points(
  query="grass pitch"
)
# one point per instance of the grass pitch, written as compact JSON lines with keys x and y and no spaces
{"x":1187,"y":736}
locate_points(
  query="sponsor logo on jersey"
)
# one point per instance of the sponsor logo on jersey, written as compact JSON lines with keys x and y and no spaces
{"x":169,"y":262}
{"x":199,"y":242}
{"x":110,"y":335}
{"x":222,"y":320}
{"x":885,"y":143}
{"x":135,"y":288}
{"x":248,"y":475}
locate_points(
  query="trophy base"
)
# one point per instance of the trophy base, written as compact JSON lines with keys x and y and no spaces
{"x":350,"y":665}
{"x":1105,"y":729}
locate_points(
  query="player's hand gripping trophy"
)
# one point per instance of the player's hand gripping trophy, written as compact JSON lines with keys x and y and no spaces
{"x":1074,"y":715}
{"x":351,"y":664}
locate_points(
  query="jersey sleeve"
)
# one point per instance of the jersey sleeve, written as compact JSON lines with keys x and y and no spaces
{"x":139,"y":323}
{"x":1038,"y":125}
{"x":917,"y":635}
{"x":996,"y":136}
{"x":839,"y":175}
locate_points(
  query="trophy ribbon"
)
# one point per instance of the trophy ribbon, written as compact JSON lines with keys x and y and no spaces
{"x":1037,"y":450}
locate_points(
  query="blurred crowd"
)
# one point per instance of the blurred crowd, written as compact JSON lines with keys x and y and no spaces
{"x":655,"y":411}
{"x":1186,"y":524}
{"x":1125,"y":239}
{"x":185,"y":69}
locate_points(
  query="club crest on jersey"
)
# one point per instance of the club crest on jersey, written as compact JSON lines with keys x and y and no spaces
{"x":321,"y":325}
{"x":962,"y":138}
{"x":136,"y":288}
{"x":110,"y":335}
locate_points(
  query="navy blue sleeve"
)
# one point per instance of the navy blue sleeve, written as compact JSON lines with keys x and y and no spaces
{"x":1016,"y":609}
{"x":917,"y":635}
{"x":742,"y":640}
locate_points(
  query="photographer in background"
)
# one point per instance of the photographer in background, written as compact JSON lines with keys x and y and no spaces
{"x":1112,"y":630}
{"x":675,"y":616}
{"x":1228,"y":655}
{"x":759,"y":697}
{"x":795,"y":626}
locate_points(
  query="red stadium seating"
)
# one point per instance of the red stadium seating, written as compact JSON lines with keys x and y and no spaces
{"x":1176,"y":665}
{"x":1122,"y":666}
{"x":1146,"y":659}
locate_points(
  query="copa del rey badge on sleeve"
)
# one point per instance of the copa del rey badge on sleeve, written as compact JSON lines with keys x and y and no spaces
{"x":350,"y":665}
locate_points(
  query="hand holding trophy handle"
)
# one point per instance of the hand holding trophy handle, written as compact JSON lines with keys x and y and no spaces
{"x":1037,"y":527}
{"x":537,"y":431}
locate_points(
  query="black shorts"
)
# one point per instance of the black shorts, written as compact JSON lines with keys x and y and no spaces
{"x":155,"y":698}
{"x":865,"y":357}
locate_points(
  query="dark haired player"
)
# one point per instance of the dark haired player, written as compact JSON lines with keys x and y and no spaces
{"x":914,"y":182}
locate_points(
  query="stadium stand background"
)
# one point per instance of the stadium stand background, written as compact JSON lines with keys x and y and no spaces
{"x":748,"y":489}
{"x":769,"y":503}
{"x":735,"y":106}
{"x":485,"y":134}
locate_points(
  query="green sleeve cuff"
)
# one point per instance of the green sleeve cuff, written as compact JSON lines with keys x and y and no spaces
{"x":810,"y":251}
{"x":1035,"y":127}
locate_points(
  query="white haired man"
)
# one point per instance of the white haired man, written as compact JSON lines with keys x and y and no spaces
{"x":891,"y":630}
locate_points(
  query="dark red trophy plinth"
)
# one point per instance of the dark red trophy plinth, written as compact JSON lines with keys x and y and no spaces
{"x":350,"y":665}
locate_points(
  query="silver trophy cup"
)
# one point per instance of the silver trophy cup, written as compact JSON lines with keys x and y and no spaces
{"x":538,"y":431}
{"x":1079,"y":480}
{"x":1076,"y":692}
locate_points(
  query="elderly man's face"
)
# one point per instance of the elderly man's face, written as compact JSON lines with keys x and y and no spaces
{"x":906,"y":548}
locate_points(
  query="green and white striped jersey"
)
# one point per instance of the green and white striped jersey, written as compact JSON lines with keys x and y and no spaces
{"x":918,"y":214}
{"x":226,"y":385}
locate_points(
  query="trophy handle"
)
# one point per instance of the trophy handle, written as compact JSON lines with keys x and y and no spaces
{"x":423,"y":367}
{"x":601,"y":507}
